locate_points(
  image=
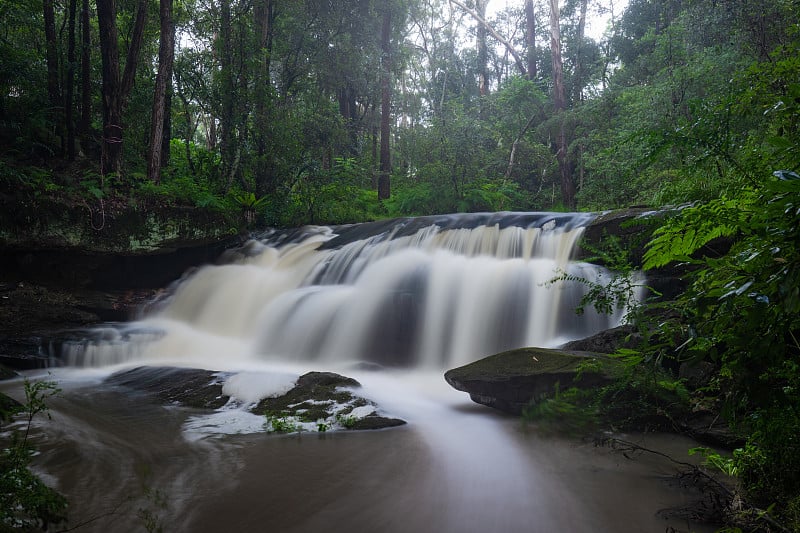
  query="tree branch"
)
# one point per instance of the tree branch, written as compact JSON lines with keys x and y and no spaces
{"x":517,"y":59}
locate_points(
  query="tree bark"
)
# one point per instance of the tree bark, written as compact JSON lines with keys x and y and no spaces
{"x":483,"y":78}
{"x":166,"y":55}
{"x":86,"y":77}
{"x":559,"y":105}
{"x":263,"y":15}
{"x":115,"y":90}
{"x":530,"y":38}
{"x":51,"y":57}
{"x":111,"y":155}
{"x":384,"y":189}
{"x":69,"y":106}
{"x":132,"y":59}
{"x":51,"y":54}
{"x":579,"y":59}
{"x":227,"y":118}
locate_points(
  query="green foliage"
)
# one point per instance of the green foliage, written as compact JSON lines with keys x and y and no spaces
{"x":280,"y":423}
{"x":154,"y":503}
{"x":572,"y":412}
{"x":743,"y":314}
{"x":717,"y":461}
{"x":620,"y":291}
{"x":346,"y":420}
{"x":26,"y":503}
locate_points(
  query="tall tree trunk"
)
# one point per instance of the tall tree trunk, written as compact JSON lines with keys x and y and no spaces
{"x":384,"y":189}
{"x":530,"y":38}
{"x":69,"y":107}
{"x":53,"y":92}
{"x":579,"y":59}
{"x":111,"y":155}
{"x":227,"y":119}
{"x":166,"y":54}
{"x":132,"y":59}
{"x":265,"y":180}
{"x":86,"y":77}
{"x":559,"y":105}
{"x":483,"y":78}
{"x":115,"y":90}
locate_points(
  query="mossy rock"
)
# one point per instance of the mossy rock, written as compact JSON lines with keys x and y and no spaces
{"x":511,"y":380}
{"x":313,"y":397}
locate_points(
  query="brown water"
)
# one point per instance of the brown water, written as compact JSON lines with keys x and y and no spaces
{"x":456,"y":466}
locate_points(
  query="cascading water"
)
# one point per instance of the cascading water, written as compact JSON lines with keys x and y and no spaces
{"x":408,"y":298}
{"x":432,"y":292}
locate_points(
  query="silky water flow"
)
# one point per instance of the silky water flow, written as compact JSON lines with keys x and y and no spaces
{"x":393,"y":305}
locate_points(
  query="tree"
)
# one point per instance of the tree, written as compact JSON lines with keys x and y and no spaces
{"x":115,"y":91}
{"x":530,"y":38}
{"x":386,"y":103}
{"x":166,"y":55}
{"x":559,"y":107}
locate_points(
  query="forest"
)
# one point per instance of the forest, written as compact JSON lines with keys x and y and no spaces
{"x":299,"y":112}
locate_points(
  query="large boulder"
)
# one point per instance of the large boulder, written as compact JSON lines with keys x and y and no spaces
{"x":512,"y":380}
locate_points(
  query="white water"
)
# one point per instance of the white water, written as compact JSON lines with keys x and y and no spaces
{"x":416,"y":304}
{"x":435,"y":298}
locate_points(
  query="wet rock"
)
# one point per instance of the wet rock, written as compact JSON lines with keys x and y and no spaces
{"x":607,"y":341}
{"x":189,"y":387}
{"x":511,"y":380}
{"x":326,"y":396}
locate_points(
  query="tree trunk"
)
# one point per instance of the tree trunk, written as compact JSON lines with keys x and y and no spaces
{"x":129,"y":75}
{"x":111,"y":156}
{"x":115,"y":90}
{"x":51,"y":57}
{"x":559,"y":105}
{"x":263,"y":13}
{"x":483,"y":78}
{"x":86,"y":77}
{"x":51,"y":54}
{"x":579,"y":59}
{"x":166,"y":54}
{"x":384,"y":189}
{"x":530,"y":38}
{"x":69,"y":107}
{"x":227,"y":119}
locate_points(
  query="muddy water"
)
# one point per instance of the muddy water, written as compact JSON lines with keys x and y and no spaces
{"x":123,"y":461}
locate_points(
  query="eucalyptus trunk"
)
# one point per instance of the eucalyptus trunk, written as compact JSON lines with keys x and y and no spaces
{"x":111,"y":155}
{"x":530,"y":38}
{"x":384,"y":189}
{"x":116,"y":89}
{"x":69,"y":94}
{"x":51,"y":58}
{"x":559,"y":106}
{"x":86,"y":76}
{"x":166,"y":55}
{"x":263,"y":15}
{"x":483,"y":78}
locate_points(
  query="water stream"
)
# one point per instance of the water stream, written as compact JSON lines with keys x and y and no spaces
{"x":392,"y":305}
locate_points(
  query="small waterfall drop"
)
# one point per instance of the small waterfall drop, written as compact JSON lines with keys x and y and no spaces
{"x":430,"y":292}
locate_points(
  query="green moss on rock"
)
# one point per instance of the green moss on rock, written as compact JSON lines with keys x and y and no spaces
{"x":511,"y":380}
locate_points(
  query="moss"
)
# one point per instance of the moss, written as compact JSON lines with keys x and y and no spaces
{"x":528,"y":362}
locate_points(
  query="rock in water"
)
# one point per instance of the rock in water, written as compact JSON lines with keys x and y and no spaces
{"x":512,"y":380}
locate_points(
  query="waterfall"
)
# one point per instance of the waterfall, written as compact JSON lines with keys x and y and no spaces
{"x":428,"y":292}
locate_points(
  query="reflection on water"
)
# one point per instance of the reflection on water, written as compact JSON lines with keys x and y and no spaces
{"x":456,"y":466}
{"x":424,"y":295}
